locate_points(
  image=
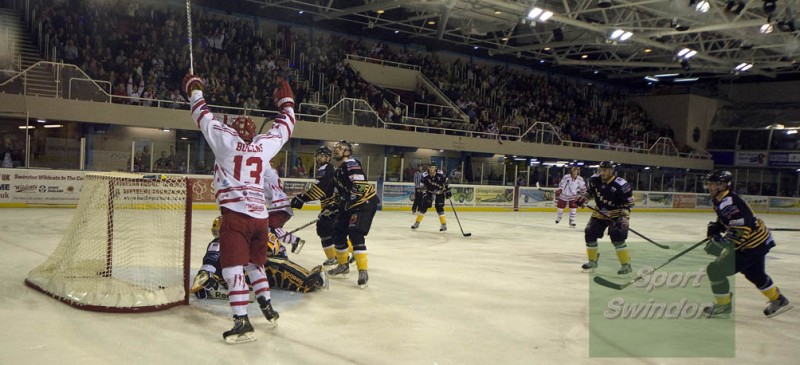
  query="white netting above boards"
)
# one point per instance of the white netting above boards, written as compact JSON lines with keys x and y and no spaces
{"x":127,"y":247}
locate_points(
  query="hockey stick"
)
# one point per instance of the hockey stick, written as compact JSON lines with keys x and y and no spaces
{"x":189,"y":34}
{"x":467,"y":234}
{"x":785,"y":229}
{"x":299,"y":228}
{"x":608,"y":284}
{"x":598,"y":211}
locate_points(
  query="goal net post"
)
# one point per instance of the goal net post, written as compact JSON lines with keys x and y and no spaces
{"x":127,"y":248}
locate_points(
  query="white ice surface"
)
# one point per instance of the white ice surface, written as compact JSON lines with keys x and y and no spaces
{"x":512,"y":293}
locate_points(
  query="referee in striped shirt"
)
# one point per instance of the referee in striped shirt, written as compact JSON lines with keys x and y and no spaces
{"x":419,"y":188}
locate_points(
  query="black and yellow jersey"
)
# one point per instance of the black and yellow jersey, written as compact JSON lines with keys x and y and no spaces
{"x":744,"y":229}
{"x":352,"y":188}
{"x":610,"y":196}
{"x":323,"y":187}
{"x":436,"y":183}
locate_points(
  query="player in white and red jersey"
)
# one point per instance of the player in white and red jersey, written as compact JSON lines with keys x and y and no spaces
{"x":280,"y":209}
{"x":572,"y":187}
{"x":241,"y":157}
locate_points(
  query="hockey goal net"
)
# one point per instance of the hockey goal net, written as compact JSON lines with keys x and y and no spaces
{"x":127,"y":247}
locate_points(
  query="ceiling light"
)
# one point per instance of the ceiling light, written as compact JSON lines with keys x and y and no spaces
{"x":504,"y":39}
{"x":584,"y":56}
{"x":702,"y":7}
{"x":690,"y":54}
{"x":431,"y":22}
{"x":397,"y":31}
{"x":535,"y":12}
{"x":53,"y":125}
{"x":683,"y":52}
{"x":498,"y":12}
{"x":687,"y":79}
{"x":745,"y":68}
{"x":617,"y":33}
{"x":41,"y":120}
{"x":546,"y":15}
{"x":769,"y":6}
{"x":625,"y":36}
{"x":766,"y":28}
{"x":380,"y":11}
{"x":476,"y":47}
{"x":648,"y":50}
{"x":300,"y":12}
{"x":651,"y":78}
{"x":26,"y":127}
{"x":546,"y":48}
{"x":667,"y":75}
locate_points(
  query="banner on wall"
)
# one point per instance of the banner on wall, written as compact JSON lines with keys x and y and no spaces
{"x":639,"y":199}
{"x":751,"y":158}
{"x":784,"y":159}
{"x":398,"y":194}
{"x":40,"y":186}
{"x":533,"y":197}
{"x":463,"y":194}
{"x":202,"y":190}
{"x":659,"y":200}
{"x":784,"y":203}
{"x":494,"y":196}
{"x":703,"y":201}
{"x":683,"y":201}
{"x":756,"y":202}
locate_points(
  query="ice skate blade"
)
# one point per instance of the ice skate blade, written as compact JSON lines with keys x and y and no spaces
{"x":243,"y":338}
{"x":363,"y":286}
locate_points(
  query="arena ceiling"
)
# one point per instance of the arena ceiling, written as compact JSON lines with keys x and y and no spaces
{"x":579,"y":36}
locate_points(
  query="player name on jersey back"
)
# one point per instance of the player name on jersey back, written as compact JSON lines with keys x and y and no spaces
{"x":248,"y":147}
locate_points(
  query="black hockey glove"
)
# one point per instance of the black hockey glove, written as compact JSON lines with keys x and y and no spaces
{"x":717,"y":245}
{"x":297,"y":203}
{"x":581,"y":201}
{"x":328,"y":213}
{"x":448,"y":194}
{"x":714,"y":229}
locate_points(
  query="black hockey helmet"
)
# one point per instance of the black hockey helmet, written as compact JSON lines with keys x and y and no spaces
{"x":720,"y":176}
{"x":429,"y":164}
{"x":345,"y":145}
{"x":608,"y":164}
{"x":324,"y":150}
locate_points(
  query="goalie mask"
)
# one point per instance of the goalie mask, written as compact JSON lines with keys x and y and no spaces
{"x":273,"y":245}
{"x":245,"y":128}
{"x":215,"y":226}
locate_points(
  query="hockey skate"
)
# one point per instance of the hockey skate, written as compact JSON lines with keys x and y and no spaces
{"x":558,"y":219}
{"x":330,"y":262}
{"x":777,"y":306}
{"x":241,"y":332}
{"x":415,"y":225}
{"x":298,"y":245}
{"x":270,"y":314}
{"x":443,"y":228}
{"x":340,"y":272}
{"x":571,"y":223}
{"x":625,"y":269}
{"x":718,"y":310}
{"x":591,"y":265}
{"x":363,"y":278}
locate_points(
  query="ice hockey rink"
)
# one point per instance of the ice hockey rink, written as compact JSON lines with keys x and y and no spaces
{"x":513,"y":293}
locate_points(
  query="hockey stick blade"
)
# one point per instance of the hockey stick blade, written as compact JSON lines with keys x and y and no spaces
{"x":468,"y":234}
{"x":608,"y":284}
